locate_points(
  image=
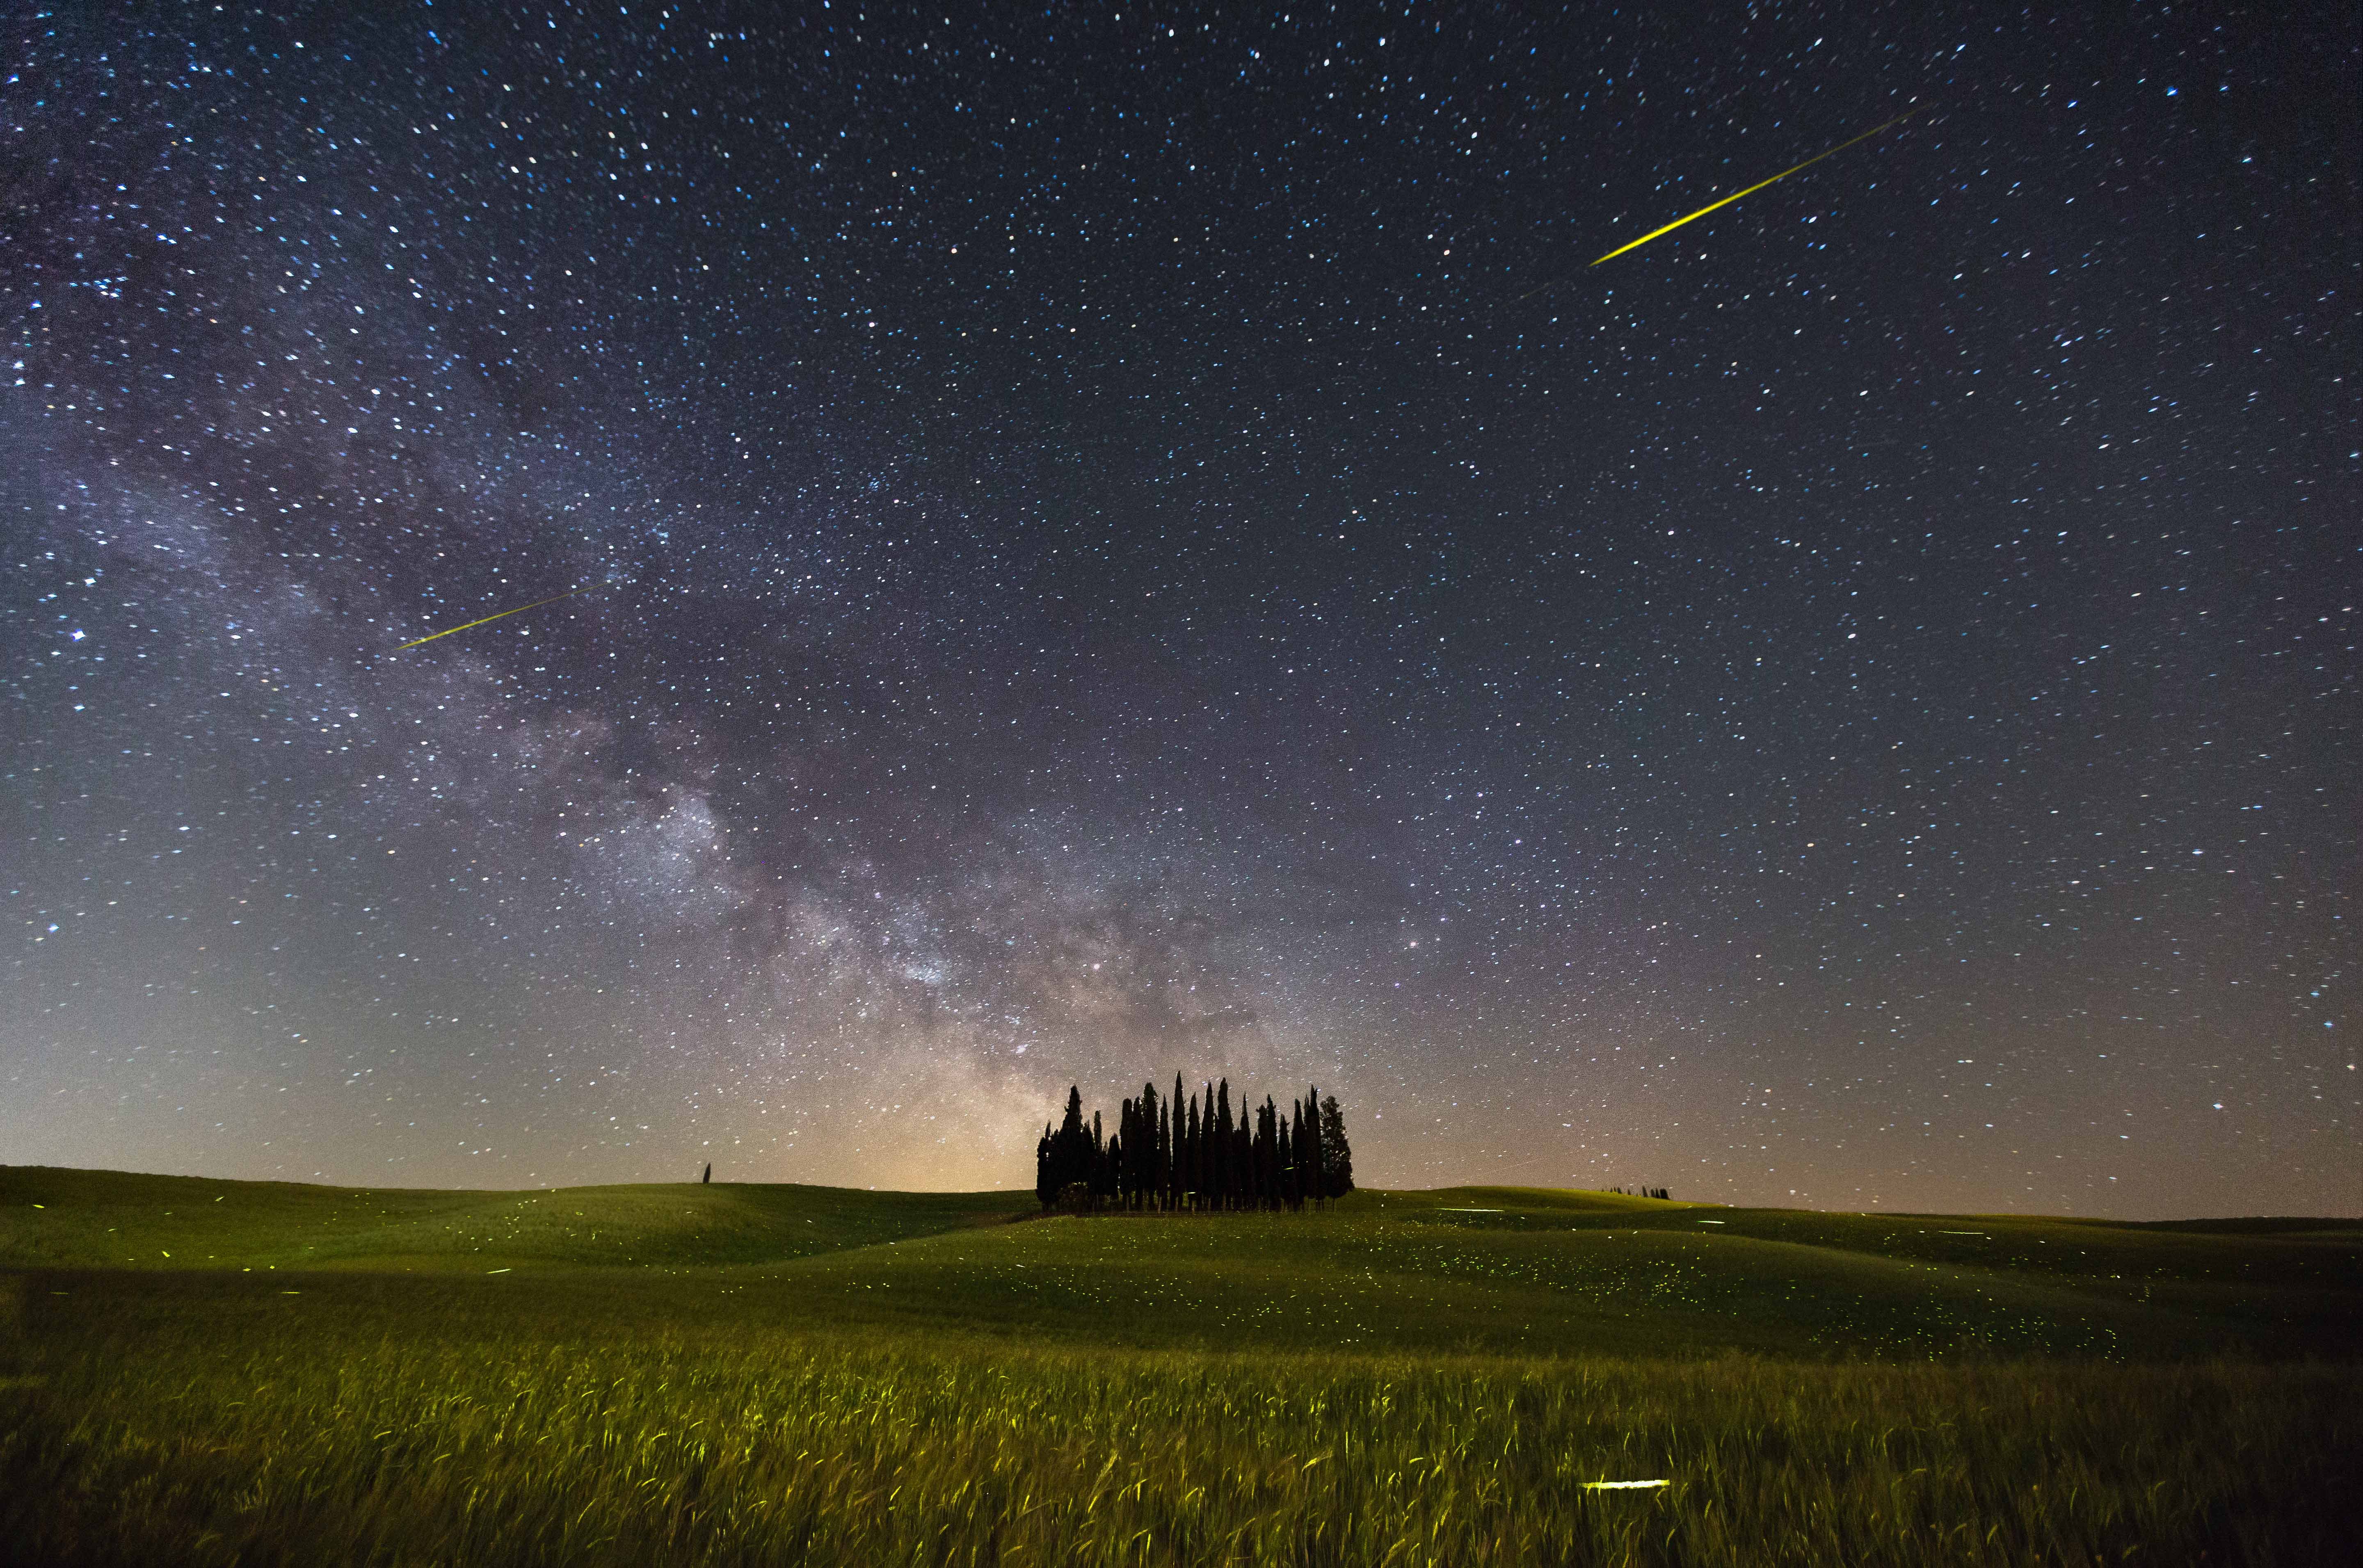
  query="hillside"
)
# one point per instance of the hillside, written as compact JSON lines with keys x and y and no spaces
{"x":235,"y":1373}
{"x":1517,"y":1270}
{"x":64,"y":1219}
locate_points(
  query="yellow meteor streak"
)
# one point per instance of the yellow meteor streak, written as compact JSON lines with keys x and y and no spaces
{"x":519,"y":610}
{"x":1759,"y":185}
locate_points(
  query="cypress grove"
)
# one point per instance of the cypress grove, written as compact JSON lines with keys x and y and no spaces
{"x":1171,"y":1155}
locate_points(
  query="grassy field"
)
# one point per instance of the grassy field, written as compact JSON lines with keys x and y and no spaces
{"x":239,"y":1373}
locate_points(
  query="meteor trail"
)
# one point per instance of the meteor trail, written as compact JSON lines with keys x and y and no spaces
{"x":519,"y":610}
{"x":1759,"y":185}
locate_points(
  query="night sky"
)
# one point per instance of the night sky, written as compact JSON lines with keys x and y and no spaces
{"x":1132,"y":541}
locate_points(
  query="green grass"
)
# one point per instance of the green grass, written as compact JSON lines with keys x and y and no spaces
{"x":787,"y":1374}
{"x":109,"y":1218}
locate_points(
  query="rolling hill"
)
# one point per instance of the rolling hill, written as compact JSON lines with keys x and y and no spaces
{"x":1523,"y":1270}
{"x":198,"y":1371}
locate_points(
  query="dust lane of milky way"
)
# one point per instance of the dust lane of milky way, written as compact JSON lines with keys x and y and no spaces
{"x":1851,"y":705}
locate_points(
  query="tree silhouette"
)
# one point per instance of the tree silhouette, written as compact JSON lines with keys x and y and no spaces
{"x":1224,"y":1184}
{"x":1289,"y":1162}
{"x":1309,"y":1160}
{"x":1337,"y":1154}
{"x":1067,"y":1154}
{"x":1199,"y":1154}
{"x":1177,"y":1131}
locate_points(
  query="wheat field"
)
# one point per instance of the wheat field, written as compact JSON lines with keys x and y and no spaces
{"x":776,"y":1414}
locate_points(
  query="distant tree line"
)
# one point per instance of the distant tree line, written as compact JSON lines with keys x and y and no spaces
{"x":1642,"y":1192}
{"x":1169,"y":1155}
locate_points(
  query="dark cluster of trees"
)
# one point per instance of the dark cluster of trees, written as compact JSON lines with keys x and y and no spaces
{"x":1643,"y":1192}
{"x":1171,"y":1155}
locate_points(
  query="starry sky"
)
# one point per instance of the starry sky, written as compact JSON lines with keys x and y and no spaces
{"x":1131,"y":539}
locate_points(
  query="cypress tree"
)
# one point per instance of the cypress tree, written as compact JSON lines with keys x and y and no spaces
{"x":1209,"y":1132}
{"x":1267,"y":1155}
{"x":1274,"y":1154}
{"x":1124,"y":1132}
{"x":1071,"y":1154}
{"x":1140,"y":1151}
{"x":1128,"y":1188}
{"x":1144,"y":1138}
{"x":1201,"y":1137}
{"x":1199,"y":1153}
{"x":1337,"y":1154}
{"x":1152,"y":1171}
{"x":1140,"y":1148}
{"x":1176,"y":1134}
{"x":1308,"y":1146}
{"x":1296,"y":1154}
{"x":1192,"y":1186}
{"x":1225,"y":1186}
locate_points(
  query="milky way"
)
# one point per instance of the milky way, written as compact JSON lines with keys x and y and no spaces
{"x":1128,"y":542}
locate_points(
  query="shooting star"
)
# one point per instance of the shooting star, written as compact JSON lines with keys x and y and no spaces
{"x":518,"y":611}
{"x":1759,"y":185}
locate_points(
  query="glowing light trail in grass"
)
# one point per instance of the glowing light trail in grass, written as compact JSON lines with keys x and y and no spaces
{"x":1622,"y":1486}
{"x":1759,"y":185}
